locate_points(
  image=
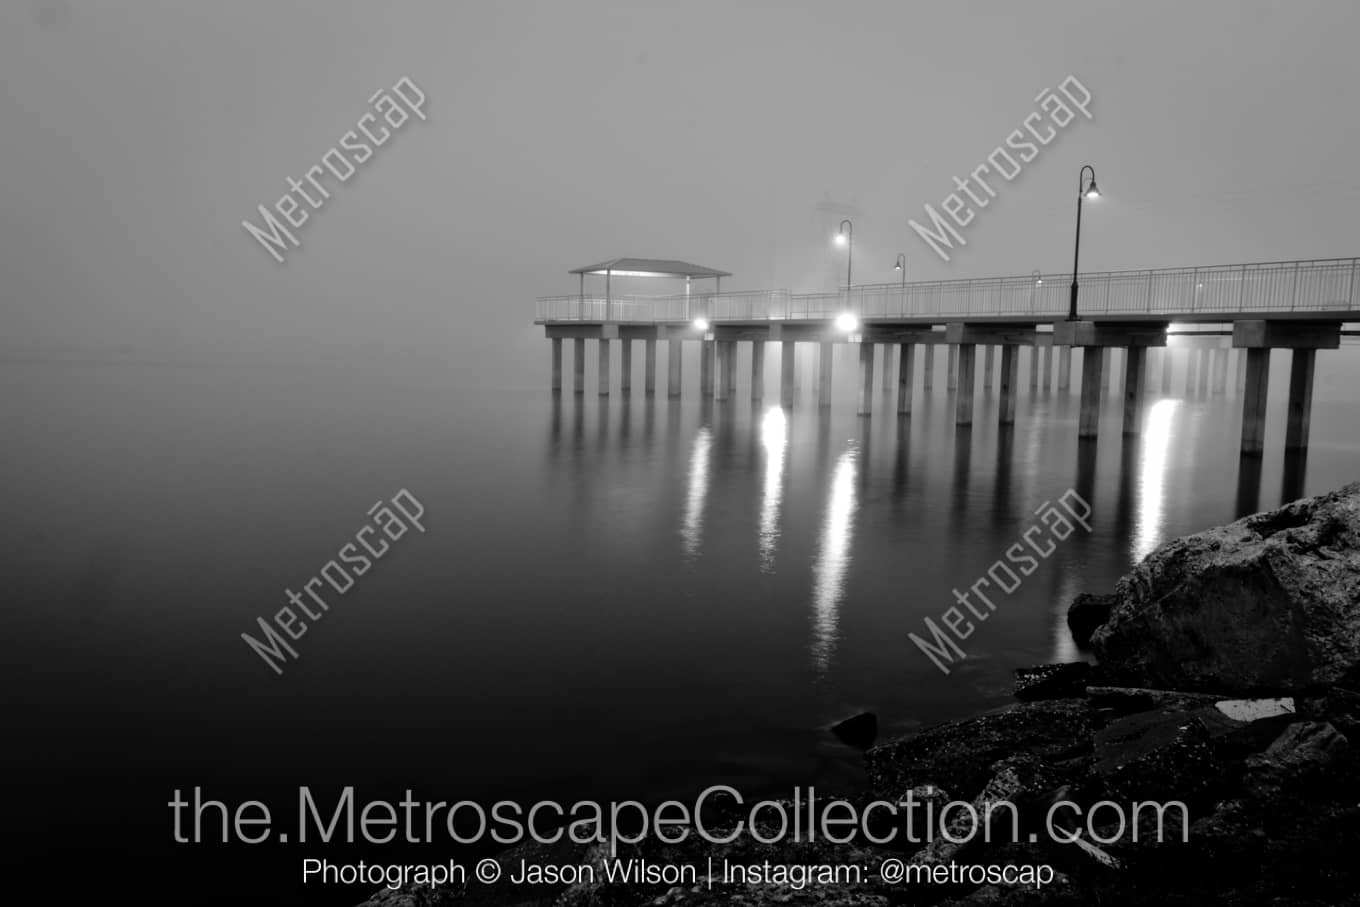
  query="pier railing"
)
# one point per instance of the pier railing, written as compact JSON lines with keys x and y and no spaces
{"x":1324,"y":286}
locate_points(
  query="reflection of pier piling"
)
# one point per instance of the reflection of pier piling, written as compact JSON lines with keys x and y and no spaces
{"x":1293,"y":306}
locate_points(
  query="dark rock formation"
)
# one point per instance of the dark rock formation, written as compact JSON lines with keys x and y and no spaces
{"x":959,"y":755}
{"x":1270,"y":603}
{"x":860,"y":731}
{"x":1086,"y":614}
{"x":1053,"y":681}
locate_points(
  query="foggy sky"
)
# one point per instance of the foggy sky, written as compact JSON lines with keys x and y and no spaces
{"x":138,"y":135}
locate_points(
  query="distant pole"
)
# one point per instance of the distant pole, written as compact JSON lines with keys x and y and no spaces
{"x":1083,"y":192}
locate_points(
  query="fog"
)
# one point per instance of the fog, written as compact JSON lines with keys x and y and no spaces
{"x":139,"y":135}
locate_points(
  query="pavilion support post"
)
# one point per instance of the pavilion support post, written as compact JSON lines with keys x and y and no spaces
{"x":649,"y":367}
{"x":1202,"y":390}
{"x":1010,"y":380}
{"x":826,"y":352}
{"x":1135,"y":388}
{"x":786,"y":370}
{"x":1048,"y":368}
{"x":951,"y":377}
{"x":578,"y":366}
{"x":1241,"y":371}
{"x":1167,"y":358}
{"x":1092,"y":382}
{"x":675,"y":351}
{"x":1254,"y":400}
{"x":707,"y":350}
{"x":726,"y":366}
{"x":1034,"y":353}
{"x":1065,"y":369}
{"x":967,"y":366}
{"x":758,"y":370}
{"x":1106,"y":355}
{"x":557,"y":365}
{"x":1300,"y":399}
{"x":625,"y":367}
{"x":987,"y":354}
{"x":906,"y":365}
{"x":1190,"y":361}
{"x":928,"y":368}
{"x":866,"y":378}
{"x":603,"y":376}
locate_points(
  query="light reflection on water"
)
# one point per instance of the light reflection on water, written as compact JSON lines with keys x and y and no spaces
{"x":692,"y":530}
{"x":774,"y":434}
{"x":1157,"y":437}
{"x":833,"y":559}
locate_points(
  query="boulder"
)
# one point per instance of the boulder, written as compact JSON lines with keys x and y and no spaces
{"x":860,"y":731}
{"x":1270,"y":603}
{"x":961,"y":753}
{"x":1066,"y":680}
{"x":1085,"y":615}
{"x":1157,"y":755}
{"x":1299,"y":757}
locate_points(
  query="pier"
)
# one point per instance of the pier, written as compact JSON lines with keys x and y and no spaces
{"x":1298,"y":306}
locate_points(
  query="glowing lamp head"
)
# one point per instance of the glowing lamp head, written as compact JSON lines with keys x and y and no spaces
{"x":1092,"y":191}
{"x":847,"y":322}
{"x":840,"y":239}
{"x":701,"y":324}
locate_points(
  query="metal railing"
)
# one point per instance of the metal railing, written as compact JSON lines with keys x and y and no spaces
{"x":1324,"y":286}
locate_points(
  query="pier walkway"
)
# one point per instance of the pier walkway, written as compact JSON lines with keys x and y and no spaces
{"x":1295,"y":305}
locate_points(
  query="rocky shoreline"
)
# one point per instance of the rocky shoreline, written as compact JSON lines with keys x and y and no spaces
{"x":1227,"y":679}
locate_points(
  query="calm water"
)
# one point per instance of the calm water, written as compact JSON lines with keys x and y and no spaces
{"x":613,"y":598}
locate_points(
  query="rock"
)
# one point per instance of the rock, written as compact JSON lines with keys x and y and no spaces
{"x":1234,"y":739}
{"x":962,"y":753}
{"x":1298,"y":758}
{"x":860,"y":731}
{"x":1157,"y":755}
{"x":1268,"y":604}
{"x":1021,"y":781}
{"x":1067,"y":680}
{"x":1086,"y":614}
{"x":1127,"y":700}
{"x":1255,"y":709}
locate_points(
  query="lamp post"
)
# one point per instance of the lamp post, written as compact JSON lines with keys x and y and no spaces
{"x":1084,"y":191}
{"x":1036,"y":281}
{"x":846,"y":237}
{"x":901,"y":267}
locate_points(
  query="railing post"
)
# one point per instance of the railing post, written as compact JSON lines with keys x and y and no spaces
{"x":1350,"y":292}
{"x":1294,"y":295}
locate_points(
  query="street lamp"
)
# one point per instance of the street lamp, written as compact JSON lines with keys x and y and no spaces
{"x":847,"y":322}
{"x":901,"y":268}
{"x":846,"y":237}
{"x":701,"y":324}
{"x":1084,"y":191}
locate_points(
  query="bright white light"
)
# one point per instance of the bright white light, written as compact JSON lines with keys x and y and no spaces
{"x":840,"y":239}
{"x":846,"y":321}
{"x":701,"y":324}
